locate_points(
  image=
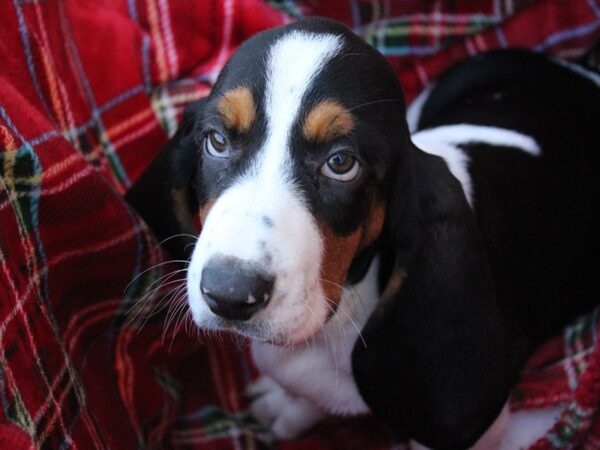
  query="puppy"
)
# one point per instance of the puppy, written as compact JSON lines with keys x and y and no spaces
{"x":372,"y":276}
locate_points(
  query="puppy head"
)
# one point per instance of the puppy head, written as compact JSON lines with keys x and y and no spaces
{"x":294,"y":148}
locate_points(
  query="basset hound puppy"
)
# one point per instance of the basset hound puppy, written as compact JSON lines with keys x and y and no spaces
{"x":406,"y":272}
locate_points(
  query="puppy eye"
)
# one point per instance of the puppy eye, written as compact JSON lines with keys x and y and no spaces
{"x":341,"y":166}
{"x":215,"y":145}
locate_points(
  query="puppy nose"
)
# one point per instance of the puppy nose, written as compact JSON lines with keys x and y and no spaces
{"x":235,"y":289}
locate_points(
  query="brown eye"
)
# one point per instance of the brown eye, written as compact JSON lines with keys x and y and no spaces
{"x":215,"y":145}
{"x":341,"y":166}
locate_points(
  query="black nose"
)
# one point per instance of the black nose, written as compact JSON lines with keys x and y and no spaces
{"x":235,"y":289}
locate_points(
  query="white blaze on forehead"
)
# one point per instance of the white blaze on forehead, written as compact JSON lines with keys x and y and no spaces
{"x":293,"y":63}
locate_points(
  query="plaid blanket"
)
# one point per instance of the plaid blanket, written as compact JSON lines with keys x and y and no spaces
{"x":89,"y":92}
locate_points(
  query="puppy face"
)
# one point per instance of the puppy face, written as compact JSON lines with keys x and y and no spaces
{"x":296,"y":144}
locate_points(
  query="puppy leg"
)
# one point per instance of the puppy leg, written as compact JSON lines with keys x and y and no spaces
{"x":492,"y":438}
{"x":287,"y":416}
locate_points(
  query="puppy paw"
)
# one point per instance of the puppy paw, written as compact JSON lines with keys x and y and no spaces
{"x":286,"y":416}
{"x":268,"y":400}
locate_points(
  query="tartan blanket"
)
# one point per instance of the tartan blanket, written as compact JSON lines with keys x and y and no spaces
{"x":89,"y":92}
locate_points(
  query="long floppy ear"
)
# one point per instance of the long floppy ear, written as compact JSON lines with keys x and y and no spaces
{"x":435,"y":364}
{"x":164,"y":195}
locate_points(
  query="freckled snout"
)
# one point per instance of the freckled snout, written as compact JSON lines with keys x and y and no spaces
{"x":235,"y":289}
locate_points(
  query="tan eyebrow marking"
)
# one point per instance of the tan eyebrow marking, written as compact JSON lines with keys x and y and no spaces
{"x":237,"y":109}
{"x":326,"y":121}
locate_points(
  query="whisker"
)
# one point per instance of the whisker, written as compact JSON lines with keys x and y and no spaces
{"x":374,"y":102}
{"x":352,"y":321}
{"x":174,"y":311}
{"x":178,"y":235}
{"x":172,"y":261}
{"x":352,"y":54}
{"x":335,"y":318}
{"x":162,"y":304}
{"x":183,"y":311}
{"x":152,"y":290}
{"x":160,"y":282}
{"x":189,"y":323}
{"x":350,"y":289}
{"x":308,"y":348}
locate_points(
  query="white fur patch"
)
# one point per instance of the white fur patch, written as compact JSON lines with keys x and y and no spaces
{"x":287,"y":416}
{"x":413,"y":112}
{"x":261,"y":218}
{"x":294,"y":62}
{"x":445,"y":141}
{"x":320,"y":370}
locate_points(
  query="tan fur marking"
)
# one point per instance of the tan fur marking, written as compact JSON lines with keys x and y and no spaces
{"x":337,"y":257}
{"x":237,"y":109}
{"x":182,"y":211}
{"x":392,"y":288}
{"x":374,"y":224}
{"x":205,"y":209}
{"x":339,"y":252}
{"x":326,"y":121}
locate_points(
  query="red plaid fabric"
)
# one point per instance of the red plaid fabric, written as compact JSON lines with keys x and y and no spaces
{"x":89,"y":92}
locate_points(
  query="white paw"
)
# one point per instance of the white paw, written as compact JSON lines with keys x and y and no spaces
{"x":287,"y":416}
{"x":268,"y":400}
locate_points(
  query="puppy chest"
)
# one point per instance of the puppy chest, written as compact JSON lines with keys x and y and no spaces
{"x":319,"y":372}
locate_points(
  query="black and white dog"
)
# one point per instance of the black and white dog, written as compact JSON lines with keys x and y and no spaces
{"x":375,"y":270}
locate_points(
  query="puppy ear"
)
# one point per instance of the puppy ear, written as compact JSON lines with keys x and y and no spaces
{"x":434,"y":363}
{"x":165,"y":194}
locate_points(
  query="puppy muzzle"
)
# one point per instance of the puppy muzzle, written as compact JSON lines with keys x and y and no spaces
{"x":235,"y":289}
